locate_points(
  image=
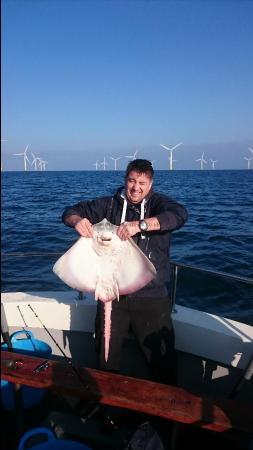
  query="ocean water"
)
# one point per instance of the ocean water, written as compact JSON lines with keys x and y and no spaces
{"x":217,"y":236}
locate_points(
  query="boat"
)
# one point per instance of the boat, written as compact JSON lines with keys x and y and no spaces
{"x":212,"y":404}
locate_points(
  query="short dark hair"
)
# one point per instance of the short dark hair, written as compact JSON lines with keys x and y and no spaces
{"x":140,"y":166}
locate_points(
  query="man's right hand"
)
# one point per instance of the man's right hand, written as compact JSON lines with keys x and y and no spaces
{"x":84,"y":228}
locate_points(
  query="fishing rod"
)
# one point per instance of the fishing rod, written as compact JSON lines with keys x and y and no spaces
{"x":97,"y":405}
{"x":68,"y":360}
{"x":94,"y":408}
{"x":24,"y":328}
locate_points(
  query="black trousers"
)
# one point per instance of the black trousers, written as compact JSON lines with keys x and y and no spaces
{"x":150,"y":321}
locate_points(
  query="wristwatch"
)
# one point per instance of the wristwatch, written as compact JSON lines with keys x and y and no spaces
{"x":143,"y":225}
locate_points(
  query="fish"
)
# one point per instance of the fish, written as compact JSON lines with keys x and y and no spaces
{"x":107,"y":266}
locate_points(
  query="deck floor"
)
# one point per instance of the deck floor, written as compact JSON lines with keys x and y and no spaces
{"x":67,"y":418}
{"x":63,"y":417}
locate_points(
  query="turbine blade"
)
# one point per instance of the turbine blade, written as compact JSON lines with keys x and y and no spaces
{"x":164,"y":146}
{"x":177,"y":145}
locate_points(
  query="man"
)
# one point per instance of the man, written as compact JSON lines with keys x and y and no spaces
{"x":149,"y":218}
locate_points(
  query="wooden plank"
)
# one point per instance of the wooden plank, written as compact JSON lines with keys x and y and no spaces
{"x":126,"y":392}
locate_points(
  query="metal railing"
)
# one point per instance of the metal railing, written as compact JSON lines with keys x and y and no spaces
{"x":175,"y":266}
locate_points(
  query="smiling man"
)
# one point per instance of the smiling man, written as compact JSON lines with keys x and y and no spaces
{"x":148,"y":218}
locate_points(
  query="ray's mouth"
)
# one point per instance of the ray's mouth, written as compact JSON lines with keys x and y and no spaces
{"x":105,"y":240}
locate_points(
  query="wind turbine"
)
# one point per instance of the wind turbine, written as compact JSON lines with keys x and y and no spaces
{"x":34,"y":161}
{"x":174,"y":160}
{"x":26,"y":160}
{"x":132,"y":157}
{"x":202,"y":161}
{"x":2,"y":140}
{"x":115,"y":161}
{"x":250,"y":149}
{"x":249,"y":161}
{"x":103,"y":164}
{"x":213,"y":163}
{"x":96,"y":164}
{"x":171,"y":153}
{"x":43,"y":164}
{"x":40,"y":163}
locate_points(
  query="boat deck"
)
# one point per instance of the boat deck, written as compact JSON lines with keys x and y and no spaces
{"x":199,"y":373}
{"x":196,"y":374}
{"x":67,"y":407}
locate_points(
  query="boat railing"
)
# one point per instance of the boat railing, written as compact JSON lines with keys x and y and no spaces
{"x":176,"y":266}
{"x":174,"y":271}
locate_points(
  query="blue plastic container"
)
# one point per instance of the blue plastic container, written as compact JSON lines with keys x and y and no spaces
{"x":50,"y":442}
{"x":26,"y":346}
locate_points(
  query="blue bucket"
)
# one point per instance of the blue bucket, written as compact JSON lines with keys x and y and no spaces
{"x":46,"y":440}
{"x":26,"y":346}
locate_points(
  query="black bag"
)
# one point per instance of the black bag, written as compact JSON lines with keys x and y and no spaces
{"x":145,"y":438}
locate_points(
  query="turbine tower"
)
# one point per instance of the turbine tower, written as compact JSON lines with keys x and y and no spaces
{"x":40,"y":164}
{"x":132,"y":157}
{"x":104,"y":164}
{"x":2,"y":140}
{"x":249,"y":161}
{"x":171,"y":153}
{"x":174,"y":160}
{"x":26,"y":160}
{"x":34,"y":161}
{"x":202,"y":161}
{"x":96,"y":164}
{"x":213,"y":161}
{"x":43,"y":164}
{"x":115,"y":161}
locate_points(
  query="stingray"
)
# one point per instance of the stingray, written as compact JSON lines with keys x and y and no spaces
{"x":107,"y":266}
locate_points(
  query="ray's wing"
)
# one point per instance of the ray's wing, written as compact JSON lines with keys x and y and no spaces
{"x":77,"y":267}
{"x":134,"y":270}
{"x":81,"y":268}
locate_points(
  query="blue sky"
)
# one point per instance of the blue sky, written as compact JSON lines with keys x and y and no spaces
{"x":86,"y":79}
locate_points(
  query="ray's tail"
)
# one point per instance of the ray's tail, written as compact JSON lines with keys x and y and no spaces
{"x":107,"y":327}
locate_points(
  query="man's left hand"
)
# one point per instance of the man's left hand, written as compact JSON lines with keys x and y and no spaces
{"x":128,"y":229}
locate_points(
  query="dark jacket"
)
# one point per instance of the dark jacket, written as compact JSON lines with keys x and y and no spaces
{"x":171,"y":216}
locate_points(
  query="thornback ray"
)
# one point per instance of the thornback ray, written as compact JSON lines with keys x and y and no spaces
{"x":107,"y":266}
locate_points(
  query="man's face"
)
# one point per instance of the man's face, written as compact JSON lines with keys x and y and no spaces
{"x":137,"y":186}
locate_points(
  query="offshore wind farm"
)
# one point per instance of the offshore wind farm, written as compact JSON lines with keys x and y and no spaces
{"x":28,"y":161}
{"x":36,"y":163}
{"x":150,"y":83}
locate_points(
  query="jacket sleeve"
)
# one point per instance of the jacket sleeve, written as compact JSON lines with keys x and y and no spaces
{"x":170,"y":214}
{"x":94,"y":210}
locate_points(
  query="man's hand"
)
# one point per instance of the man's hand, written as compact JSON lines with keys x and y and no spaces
{"x":128,"y":229}
{"x":84,"y":228}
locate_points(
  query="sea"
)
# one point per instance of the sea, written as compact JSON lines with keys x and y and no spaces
{"x":218,"y":235}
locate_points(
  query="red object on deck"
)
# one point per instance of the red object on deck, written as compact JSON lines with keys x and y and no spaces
{"x":161,"y":400}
